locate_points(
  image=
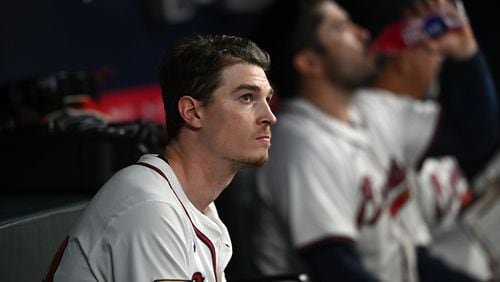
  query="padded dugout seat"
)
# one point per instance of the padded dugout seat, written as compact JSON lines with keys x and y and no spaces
{"x":31,"y":230}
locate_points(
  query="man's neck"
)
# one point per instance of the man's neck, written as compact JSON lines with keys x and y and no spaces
{"x":393,"y":81}
{"x":331,"y":100}
{"x":202,"y":178}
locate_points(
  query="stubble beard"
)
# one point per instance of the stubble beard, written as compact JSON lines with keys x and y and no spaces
{"x":351,"y":80}
{"x":258,"y":162}
{"x":251,"y":162}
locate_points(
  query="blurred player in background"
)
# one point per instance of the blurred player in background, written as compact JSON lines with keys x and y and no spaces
{"x":468,"y":116}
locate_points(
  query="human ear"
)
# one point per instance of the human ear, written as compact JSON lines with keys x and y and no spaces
{"x":308,"y":63}
{"x":189,"y":110}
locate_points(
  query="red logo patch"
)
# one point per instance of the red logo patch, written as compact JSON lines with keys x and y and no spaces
{"x":197,"y":277}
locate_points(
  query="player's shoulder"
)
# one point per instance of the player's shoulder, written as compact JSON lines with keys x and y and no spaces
{"x":150,"y":168}
{"x":131,"y":185}
{"x":300,"y":141}
{"x":294,"y":120}
{"x":301,"y":124}
{"x":131,"y":214}
{"x":135,"y":185}
{"x":379,"y":99}
{"x":152,"y":216}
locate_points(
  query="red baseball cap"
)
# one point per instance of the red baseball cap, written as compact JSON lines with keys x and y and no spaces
{"x":390,"y":40}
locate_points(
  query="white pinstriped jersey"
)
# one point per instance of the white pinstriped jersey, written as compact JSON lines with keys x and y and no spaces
{"x":141,"y":227}
{"x":332,"y":181}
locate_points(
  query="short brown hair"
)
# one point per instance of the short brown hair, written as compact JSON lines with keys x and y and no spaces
{"x":193,"y":68}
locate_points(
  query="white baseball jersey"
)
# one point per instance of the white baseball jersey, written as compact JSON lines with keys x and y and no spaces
{"x":442,"y":192}
{"x":328,"y":181}
{"x":141,"y":227}
{"x":438,"y":190}
{"x":401,"y":129}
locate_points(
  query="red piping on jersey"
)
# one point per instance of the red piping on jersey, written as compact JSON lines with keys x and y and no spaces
{"x":324,"y":241}
{"x":199,"y":234}
{"x":56,"y":261}
{"x":439,"y":194}
{"x":399,"y":202}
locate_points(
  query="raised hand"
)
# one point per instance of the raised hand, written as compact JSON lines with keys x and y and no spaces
{"x":459,"y":42}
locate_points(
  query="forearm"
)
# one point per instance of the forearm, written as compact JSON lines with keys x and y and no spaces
{"x":469,"y":123}
{"x":432,"y":269}
{"x":337,"y":261}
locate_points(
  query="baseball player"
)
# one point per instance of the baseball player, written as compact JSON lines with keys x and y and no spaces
{"x":336,"y":191}
{"x":325,"y":181}
{"x":409,"y":71}
{"x":156,"y":220}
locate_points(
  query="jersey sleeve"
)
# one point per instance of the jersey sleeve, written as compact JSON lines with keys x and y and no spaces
{"x":470,"y":126}
{"x":149,"y":241}
{"x":308,"y":183}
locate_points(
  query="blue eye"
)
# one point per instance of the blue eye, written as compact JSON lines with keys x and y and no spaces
{"x":246,"y":98}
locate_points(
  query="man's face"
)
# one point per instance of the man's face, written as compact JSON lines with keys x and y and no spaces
{"x":236,"y":123}
{"x":424,"y":62}
{"x":347,"y":62}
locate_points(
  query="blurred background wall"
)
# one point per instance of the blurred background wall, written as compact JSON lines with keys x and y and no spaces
{"x":38,"y":37}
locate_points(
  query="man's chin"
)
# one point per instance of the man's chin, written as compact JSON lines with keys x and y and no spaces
{"x":259,"y":162}
{"x":255,"y":162}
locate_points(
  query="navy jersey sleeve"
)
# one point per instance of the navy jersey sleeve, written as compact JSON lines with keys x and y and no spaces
{"x":336,"y":261}
{"x":432,"y":269}
{"x":469,"y":127}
